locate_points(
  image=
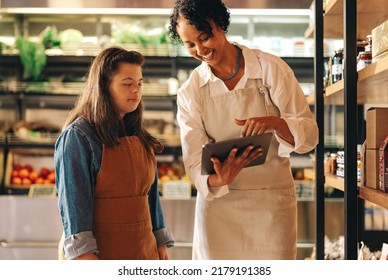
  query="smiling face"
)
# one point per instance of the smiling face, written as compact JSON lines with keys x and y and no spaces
{"x":126,"y":88}
{"x":209,"y":49}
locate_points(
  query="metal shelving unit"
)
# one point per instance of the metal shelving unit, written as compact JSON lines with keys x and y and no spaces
{"x":350,"y":20}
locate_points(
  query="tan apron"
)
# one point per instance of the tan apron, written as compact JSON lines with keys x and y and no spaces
{"x":257,"y":218}
{"x":122,"y":222}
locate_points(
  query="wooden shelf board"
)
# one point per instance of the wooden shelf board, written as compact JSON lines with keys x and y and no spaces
{"x":370,"y":14}
{"x":370,"y":194}
{"x":334,"y":94}
{"x":372,"y":87}
{"x":330,"y":180}
{"x":335,"y":182}
{"x":374,"y":196}
{"x":373,"y":83}
{"x":309,"y":173}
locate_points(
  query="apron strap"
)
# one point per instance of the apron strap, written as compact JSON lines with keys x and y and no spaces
{"x":207,"y":90}
{"x":272,"y":109}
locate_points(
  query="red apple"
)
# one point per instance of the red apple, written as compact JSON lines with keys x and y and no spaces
{"x":17,"y":167}
{"x":44,"y":172}
{"x":51,"y":177}
{"x":14,"y":173}
{"x":29,"y":167}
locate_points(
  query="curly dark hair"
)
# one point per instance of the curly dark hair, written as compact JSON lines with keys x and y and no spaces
{"x":198,"y":13}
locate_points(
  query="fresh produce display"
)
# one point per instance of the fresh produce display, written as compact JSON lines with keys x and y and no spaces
{"x":33,"y":58}
{"x":35,"y":131}
{"x":26,"y":175}
{"x":49,"y":37}
{"x":70,"y":38}
{"x":168,"y":172}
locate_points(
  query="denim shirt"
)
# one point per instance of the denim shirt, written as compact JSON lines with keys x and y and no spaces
{"x":77,"y":156}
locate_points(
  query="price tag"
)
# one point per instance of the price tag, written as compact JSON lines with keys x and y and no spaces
{"x":42,"y":191}
{"x":177,"y":190}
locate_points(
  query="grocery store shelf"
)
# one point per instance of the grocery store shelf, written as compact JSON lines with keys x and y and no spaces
{"x":334,"y":94}
{"x":372,"y":85}
{"x":309,"y":173}
{"x":374,"y":196}
{"x":335,"y":182}
{"x":370,"y":14}
{"x":330,"y":180}
{"x":31,"y":141}
{"x":369,"y":194}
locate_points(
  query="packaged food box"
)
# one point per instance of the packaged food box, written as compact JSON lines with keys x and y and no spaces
{"x":383,"y":166}
{"x":372,"y":168}
{"x":376,"y":127}
{"x":380,"y":39}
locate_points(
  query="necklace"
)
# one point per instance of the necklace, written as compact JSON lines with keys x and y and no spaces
{"x":237,"y":66}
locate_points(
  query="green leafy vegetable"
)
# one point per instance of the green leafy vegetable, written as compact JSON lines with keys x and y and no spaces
{"x":33,"y":58}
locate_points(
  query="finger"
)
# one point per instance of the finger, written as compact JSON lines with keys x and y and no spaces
{"x":216,"y":164}
{"x":232,"y":153}
{"x":248,"y":130}
{"x":262,"y":129}
{"x":247,"y":151}
{"x":256,"y":129}
{"x":259,"y":151}
{"x":256,"y":152}
{"x":239,"y":122}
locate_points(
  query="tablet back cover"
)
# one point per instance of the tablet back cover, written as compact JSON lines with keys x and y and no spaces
{"x":222,"y":149}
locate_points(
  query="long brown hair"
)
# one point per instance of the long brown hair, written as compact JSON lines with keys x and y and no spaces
{"x":95,"y":104}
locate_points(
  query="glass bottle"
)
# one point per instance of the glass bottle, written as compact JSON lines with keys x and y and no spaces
{"x":337,"y":67}
{"x":368,"y":47}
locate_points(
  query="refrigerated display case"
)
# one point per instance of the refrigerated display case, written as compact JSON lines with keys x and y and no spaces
{"x":30,"y":228}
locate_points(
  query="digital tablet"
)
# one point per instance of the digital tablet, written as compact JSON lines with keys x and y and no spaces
{"x":222,"y":149}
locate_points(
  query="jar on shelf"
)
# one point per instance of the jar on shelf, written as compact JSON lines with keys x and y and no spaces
{"x":333,"y":163}
{"x":337,"y":65}
{"x":364,"y":58}
{"x":361,"y":44}
{"x":368,"y":47}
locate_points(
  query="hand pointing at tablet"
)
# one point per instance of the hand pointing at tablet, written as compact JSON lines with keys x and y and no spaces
{"x":260,"y":125}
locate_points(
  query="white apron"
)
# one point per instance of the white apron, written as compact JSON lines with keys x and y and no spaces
{"x":257,"y":218}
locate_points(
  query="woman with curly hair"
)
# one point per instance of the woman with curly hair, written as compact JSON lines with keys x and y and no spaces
{"x":241,"y":213}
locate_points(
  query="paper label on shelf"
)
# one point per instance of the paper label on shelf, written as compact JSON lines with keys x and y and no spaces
{"x":177,"y":190}
{"x":42,"y":191}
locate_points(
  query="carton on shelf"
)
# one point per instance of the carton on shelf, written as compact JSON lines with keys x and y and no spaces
{"x":383,"y":166}
{"x":372,"y":168}
{"x":380,"y":39}
{"x":376,"y":127}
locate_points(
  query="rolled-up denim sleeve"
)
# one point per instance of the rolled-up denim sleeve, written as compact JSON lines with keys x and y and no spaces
{"x":78,"y":244}
{"x":162,"y":234}
{"x":75,"y":185}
